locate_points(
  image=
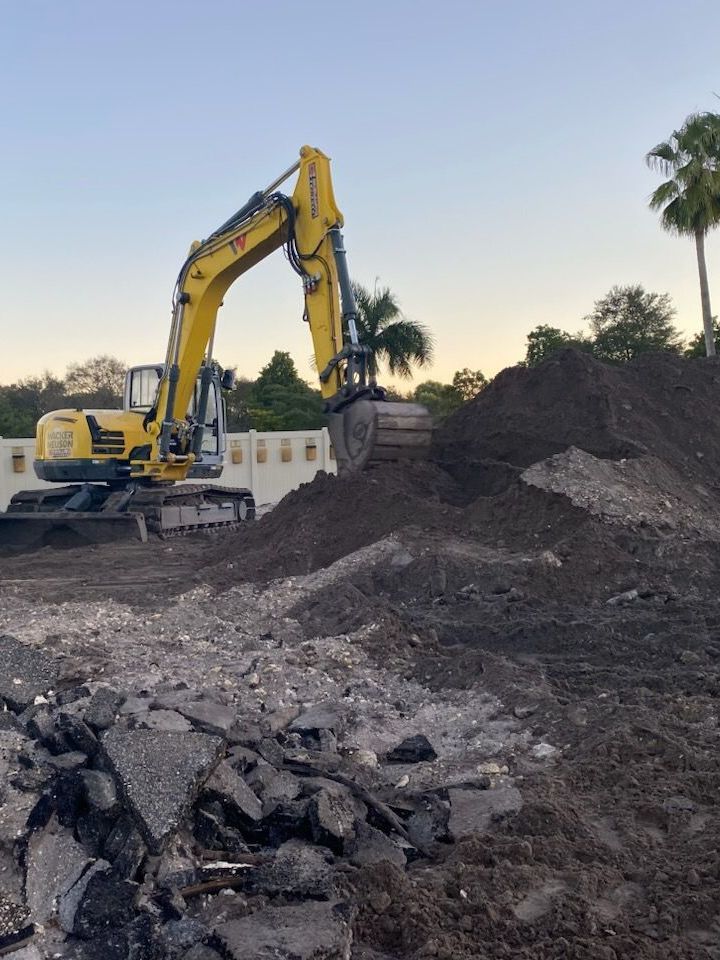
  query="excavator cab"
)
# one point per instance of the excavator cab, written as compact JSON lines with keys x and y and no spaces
{"x":141,"y":385}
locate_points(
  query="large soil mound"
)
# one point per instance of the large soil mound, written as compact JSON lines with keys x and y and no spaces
{"x":659,"y":412}
{"x":329,"y":518}
{"x":659,"y":404}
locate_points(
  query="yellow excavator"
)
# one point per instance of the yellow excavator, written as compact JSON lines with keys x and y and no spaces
{"x":119,"y":471}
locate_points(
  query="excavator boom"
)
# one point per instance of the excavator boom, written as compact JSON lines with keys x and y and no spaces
{"x":308,"y":225}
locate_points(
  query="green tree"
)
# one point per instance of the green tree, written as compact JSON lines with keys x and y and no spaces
{"x":441,"y":399}
{"x":236,"y":405}
{"x":469,"y":383}
{"x":24,"y":402}
{"x":279,"y":371}
{"x":393,"y":339}
{"x":689,"y":200}
{"x":284,"y":408}
{"x":14,"y":421}
{"x":98,"y":382}
{"x":544,"y":341}
{"x":281,"y":400}
{"x":629,"y":321}
{"x":696,"y":346}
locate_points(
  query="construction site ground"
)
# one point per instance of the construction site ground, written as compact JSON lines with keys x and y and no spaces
{"x":540,"y":603}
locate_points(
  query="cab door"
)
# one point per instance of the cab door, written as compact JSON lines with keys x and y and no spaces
{"x":141,"y":385}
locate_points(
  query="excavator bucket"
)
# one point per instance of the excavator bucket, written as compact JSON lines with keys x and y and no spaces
{"x":367,"y":432}
{"x":65,"y":528}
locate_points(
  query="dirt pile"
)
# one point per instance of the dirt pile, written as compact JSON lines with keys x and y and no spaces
{"x":658,"y":405}
{"x":565,"y":457}
{"x":329,"y":518}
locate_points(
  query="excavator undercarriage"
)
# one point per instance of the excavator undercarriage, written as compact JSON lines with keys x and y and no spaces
{"x":47,"y":517}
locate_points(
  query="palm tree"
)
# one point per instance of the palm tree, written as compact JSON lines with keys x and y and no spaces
{"x":689,"y":200}
{"x":392,"y":338}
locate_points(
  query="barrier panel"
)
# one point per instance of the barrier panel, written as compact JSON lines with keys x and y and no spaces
{"x":270,"y":464}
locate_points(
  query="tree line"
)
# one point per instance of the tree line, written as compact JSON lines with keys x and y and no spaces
{"x":629,"y":320}
{"x":278,"y":399}
{"x":95,"y":384}
{"x":626,"y":322}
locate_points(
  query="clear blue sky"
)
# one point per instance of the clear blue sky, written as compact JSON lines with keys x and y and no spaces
{"x":488,"y":158}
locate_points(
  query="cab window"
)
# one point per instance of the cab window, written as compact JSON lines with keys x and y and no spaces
{"x":143,"y":387}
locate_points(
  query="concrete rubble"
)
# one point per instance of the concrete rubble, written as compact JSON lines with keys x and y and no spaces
{"x":149,"y":820}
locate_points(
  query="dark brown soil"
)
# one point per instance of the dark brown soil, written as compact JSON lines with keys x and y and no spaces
{"x":329,"y":518}
{"x":614,"y":855}
{"x":659,"y":404}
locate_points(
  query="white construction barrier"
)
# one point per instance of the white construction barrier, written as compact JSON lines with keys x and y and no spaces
{"x":270,"y":464}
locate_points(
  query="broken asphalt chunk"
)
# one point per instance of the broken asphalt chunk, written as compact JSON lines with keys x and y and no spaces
{"x":282,"y":786}
{"x":332,"y":819}
{"x":413,"y":749}
{"x":321,"y":716}
{"x":26,"y":673}
{"x":93,"y":828}
{"x":79,"y":734}
{"x":180,"y":935}
{"x":68,"y":797}
{"x":429,"y":822}
{"x":320,"y":726}
{"x":159,"y":774}
{"x":233,"y":794}
{"x":103,"y":708}
{"x":137,"y":940}
{"x":306,"y":931}
{"x":55,"y":861}
{"x":208,"y":716}
{"x":128,"y":861}
{"x":71,"y":899}
{"x":15,"y":925}
{"x":271,"y":751}
{"x":287,"y":820}
{"x":370,"y":846}
{"x":68,"y":762}
{"x":168,"y":720}
{"x":100,"y":790}
{"x":98,"y":900}
{"x":297,"y":870}
{"x":201,"y":952}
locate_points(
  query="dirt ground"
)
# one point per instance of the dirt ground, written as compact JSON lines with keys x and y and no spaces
{"x":541,"y":603}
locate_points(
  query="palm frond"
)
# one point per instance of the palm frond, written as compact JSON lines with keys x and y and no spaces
{"x":663,"y":194}
{"x":392,"y":338}
{"x":404,"y":343}
{"x":662,"y":157}
{"x":689,"y":201}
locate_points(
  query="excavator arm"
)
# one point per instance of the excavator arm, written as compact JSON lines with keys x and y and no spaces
{"x":363,"y":426}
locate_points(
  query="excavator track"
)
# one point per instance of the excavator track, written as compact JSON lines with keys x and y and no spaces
{"x":191,"y":508}
{"x":37,"y":518}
